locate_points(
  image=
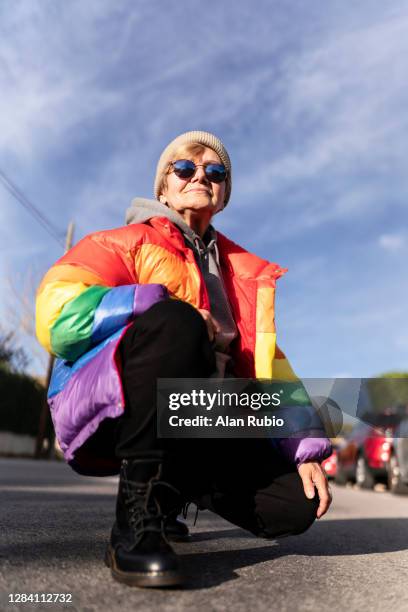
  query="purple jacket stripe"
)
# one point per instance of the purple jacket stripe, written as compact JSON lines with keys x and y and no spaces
{"x":301,"y":450}
{"x":304,"y":433}
{"x":146,"y":296}
{"x":76,"y":414}
{"x":64,"y":370}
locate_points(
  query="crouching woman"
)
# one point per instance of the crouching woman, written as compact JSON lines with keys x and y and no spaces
{"x":168,"y":296}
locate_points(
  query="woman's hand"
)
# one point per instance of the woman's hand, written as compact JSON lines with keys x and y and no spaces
{"x":313,"y":475}
{"x":212,"y":325}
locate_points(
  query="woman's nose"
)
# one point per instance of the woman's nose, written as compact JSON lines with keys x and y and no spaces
{"x":200,"y":175}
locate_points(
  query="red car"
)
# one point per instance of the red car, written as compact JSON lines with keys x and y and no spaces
{"x":330,"y":464}
{"x":363,"y":456}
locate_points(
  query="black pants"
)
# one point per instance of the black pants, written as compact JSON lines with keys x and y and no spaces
{"x":245,"y":481}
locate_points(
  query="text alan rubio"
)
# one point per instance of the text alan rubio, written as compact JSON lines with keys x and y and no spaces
{"x":220,"y":399}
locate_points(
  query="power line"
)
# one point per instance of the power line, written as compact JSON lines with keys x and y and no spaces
{"x":33,"y":210}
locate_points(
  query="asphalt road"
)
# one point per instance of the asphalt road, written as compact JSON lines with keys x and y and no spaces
{"x":54,"y":526}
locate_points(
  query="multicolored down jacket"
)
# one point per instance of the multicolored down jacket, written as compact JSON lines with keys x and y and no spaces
{"x":89,"y":297}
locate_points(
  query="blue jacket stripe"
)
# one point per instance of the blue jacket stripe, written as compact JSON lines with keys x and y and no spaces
{"x":114,"y":310}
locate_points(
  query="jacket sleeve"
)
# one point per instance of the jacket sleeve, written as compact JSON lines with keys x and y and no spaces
{"x":77,"y":306}
{"x":303,"y":450}
{"x":306,"y":439}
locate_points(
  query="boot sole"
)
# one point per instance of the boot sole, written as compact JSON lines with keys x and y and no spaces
{"x":141,"y":579}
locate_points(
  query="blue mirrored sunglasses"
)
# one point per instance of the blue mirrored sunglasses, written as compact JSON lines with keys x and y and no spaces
{"x":185,"y":169}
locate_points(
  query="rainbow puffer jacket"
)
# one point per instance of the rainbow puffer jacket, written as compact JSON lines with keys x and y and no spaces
{"x":90,"y":296}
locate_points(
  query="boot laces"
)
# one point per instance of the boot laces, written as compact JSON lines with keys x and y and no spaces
{"x":144,"y":510}
{"x":185,"y":511}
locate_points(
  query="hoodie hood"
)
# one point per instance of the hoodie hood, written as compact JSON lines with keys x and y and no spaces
{"x":142,"y":209}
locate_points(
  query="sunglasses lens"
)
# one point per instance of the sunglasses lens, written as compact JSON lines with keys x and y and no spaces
{"x":184,"y":168}
{"x":216,"y":173}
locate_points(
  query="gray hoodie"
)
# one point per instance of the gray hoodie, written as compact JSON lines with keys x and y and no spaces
{"x":207,"y":256}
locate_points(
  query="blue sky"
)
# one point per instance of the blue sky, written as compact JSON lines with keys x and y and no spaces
{"x":311,"y":100}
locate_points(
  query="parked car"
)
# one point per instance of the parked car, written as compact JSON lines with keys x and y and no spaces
{"x":364,"y":456}
{"x":330,"y":464}
{"x":397,"y":467}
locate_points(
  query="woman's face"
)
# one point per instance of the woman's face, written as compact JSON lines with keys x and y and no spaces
{"x":196,"y":194}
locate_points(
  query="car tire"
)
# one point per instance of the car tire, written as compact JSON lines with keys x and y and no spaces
{"x":364,"y":477}
{"x":395,"y":484}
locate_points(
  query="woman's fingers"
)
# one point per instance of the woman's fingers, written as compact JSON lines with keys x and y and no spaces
{"x":322,"y":487}
{"x":212,"y":324}
{"x":312,"y":476}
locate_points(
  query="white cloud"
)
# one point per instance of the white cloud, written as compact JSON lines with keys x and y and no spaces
{"x":392,"y":242}
{"x":50,"y":83}
{"x":348,"y":101}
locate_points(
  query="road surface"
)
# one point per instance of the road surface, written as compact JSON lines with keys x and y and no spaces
{"x":54,"y":527}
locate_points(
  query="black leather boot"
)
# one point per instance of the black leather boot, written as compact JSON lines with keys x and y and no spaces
{"x":139,"y":553}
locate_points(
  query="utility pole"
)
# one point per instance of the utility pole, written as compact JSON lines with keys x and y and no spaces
{"x":45,"y":411}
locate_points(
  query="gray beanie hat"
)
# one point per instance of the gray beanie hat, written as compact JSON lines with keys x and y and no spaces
{"x":203,"y":138}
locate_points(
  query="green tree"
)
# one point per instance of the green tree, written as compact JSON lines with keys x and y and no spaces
{"x":388,"y":391}
{"x":21,"y":396}
{"x":12,"y":358}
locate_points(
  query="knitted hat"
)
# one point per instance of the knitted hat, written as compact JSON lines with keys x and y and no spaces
{"x":203,"y":138}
